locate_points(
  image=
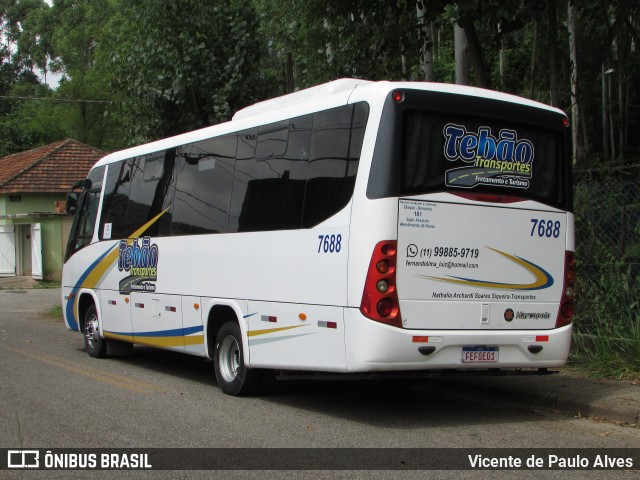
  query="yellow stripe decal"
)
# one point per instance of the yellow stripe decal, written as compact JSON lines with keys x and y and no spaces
{"x":542,"y":278}
{"x":194,"y":340}
{"x":99,"y":271}
{"x":255,"y":333}
{"x":151,"y":341}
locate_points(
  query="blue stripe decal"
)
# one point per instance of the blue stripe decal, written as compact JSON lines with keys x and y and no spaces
{"x":190,"y":330}
{"x":164,"y":333}
{"x":73,"y":323}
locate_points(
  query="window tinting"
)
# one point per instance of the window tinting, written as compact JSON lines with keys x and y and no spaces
{"x":151,"y":177}
{"x":84,"y":223}
{"x":96,"y":175}
{"x":434,"y":142}
{"x":116,"y":200}
{"x":284,"y":175}
{"x":504,"y":157}
{"x":269,"y":187}
{"x":203,"y":191}
{"x":336,"y":143}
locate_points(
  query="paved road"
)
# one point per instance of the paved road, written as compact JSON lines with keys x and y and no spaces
{"x":53,"y":395}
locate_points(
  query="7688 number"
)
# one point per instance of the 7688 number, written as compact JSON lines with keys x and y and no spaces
{"x":330,"y":243}
{"x":545,"y":228}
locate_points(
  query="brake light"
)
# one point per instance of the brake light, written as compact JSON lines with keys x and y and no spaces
{"x":488,"y":198}
{"x":380,"y":297}
{"x":565,"y":312}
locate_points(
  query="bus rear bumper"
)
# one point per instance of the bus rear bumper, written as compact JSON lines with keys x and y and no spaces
{"x":373,"y":346}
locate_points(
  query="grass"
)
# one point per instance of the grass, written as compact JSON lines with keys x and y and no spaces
{"x":56,"y":311}
{"x":48,"y":284}
{"x":609,"y":349}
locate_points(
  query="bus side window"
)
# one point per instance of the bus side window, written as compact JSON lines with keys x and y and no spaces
{"x":116,"y":200}
{"x":151,"y":178}
{"x":269,"y":188}
{"x":204,"y":173}
{"x":245,"y":155}
{"x":336,"y":143}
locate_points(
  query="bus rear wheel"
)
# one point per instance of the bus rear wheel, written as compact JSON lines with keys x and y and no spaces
{"x":233,"y":377}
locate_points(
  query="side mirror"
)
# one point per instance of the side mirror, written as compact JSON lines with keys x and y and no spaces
{"x":72,"y":203}
{"x":84,"y":183}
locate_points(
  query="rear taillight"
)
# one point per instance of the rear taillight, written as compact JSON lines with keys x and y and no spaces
{"x":380,"y":297}
{"x":565,"y":312}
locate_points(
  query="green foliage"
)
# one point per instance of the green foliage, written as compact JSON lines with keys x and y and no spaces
{"x":59,"y":39}
{"x":186,"y":74}
{"x":158,"y":67}
{"x":611,"y":350}
{"x":56,"y":310}
{"x":327,"y":40}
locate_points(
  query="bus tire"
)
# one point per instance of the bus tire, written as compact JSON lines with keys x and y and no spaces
{"x":228,"y":362}
{"x":96,"y":345}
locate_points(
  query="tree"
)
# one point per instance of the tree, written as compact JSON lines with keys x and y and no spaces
{"x":184,"y":64}
{"x":372,"y":39}
{"x":79,"y":29}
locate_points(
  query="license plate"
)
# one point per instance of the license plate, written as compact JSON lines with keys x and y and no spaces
{"x":478,"y":354}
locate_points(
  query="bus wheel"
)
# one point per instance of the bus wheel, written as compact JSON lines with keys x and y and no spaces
{"x":228,"y":362}
{"x":96,"y":345}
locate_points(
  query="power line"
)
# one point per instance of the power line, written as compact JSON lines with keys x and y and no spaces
{"x":47,"y":99}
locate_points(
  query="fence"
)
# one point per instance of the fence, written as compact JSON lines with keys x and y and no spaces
{"x":607,"y":217}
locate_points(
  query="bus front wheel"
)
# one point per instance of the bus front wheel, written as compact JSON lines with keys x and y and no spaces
{"x":96,"y":345}
{"x":233,"y":377}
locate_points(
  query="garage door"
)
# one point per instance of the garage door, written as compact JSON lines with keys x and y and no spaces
{"x":7,"y":250}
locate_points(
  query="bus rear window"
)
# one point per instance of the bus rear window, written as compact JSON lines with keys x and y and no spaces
{"x":430,"y":150}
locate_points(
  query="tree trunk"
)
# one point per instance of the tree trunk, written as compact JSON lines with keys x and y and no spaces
{"x":475,"y":52}
{"x":612,"y":137}
{"x":426,"y":48}
{"x":289,"y":76}
{"x":575,"y":112}
{"x":462,"y":66}
{"x":501,"y":62}
{"x":534,"y":51}
{"x":605,"y":115}
{"x":435,"y":40}
{"x":553,"y":52}
{"x":622,"y":60}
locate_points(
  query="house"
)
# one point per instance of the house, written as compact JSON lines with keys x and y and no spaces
{"x":34,"y":227}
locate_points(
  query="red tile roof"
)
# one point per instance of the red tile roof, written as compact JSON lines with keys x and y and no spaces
{"x":49,"y":169}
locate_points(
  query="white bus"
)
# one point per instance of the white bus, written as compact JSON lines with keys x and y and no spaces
{"x":351,"y":227}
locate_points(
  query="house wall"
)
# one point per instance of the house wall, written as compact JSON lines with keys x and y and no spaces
{"x":32,"y":202}
{"x":53,"y":232}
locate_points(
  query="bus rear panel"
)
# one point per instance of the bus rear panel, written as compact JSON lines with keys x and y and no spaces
{"x":480,"y":271}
